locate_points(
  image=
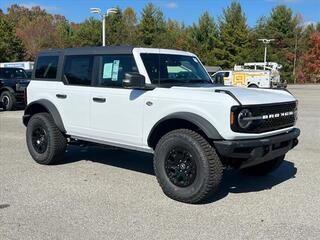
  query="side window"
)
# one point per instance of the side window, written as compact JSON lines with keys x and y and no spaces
{"x":227,"y":74}
{"x":47,"y":67}
{"x":78,"y":70}
{"x":114,"y":67}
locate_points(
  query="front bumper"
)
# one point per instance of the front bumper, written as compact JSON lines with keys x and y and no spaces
{"x":252,"y":152}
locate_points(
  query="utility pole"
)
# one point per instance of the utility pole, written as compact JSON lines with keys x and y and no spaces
{"x":265,"y":42}
{"x":103,"y":17}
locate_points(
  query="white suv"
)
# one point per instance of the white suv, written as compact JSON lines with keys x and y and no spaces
{"x":158,"y":101}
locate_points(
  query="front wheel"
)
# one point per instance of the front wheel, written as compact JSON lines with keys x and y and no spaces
{"x":45,"y":142}
{"x":187,"y":166}
{"x":264,"y":168}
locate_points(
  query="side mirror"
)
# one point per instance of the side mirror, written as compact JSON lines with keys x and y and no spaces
{"x":134,"y":80}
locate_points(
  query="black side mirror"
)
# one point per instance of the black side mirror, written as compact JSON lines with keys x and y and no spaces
{"x":134,"y":80}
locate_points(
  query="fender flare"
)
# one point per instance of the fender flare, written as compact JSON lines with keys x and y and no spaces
{"x":50,"y":108}
{"x":7,"y":88}
{"x":210,"y":131}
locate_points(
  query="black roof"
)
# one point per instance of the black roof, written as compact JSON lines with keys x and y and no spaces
{"x":89,"y":50}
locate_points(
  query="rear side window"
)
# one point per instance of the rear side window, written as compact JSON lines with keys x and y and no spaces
{"x":78,"y":70}
{"x":47,"y":67}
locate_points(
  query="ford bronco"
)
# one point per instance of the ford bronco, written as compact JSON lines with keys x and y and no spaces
{"x":162,"y":102}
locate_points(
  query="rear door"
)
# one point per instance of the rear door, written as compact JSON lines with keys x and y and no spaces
{"x":74,"y":94}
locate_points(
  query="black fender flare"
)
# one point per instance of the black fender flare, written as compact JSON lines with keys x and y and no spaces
{"x":34,"y":107}
{"x":7,"y":88}
{"x":210,"y":131}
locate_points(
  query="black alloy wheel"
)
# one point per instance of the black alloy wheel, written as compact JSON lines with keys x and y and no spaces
{"x":180,"y":167}
{"x":39,"y":139}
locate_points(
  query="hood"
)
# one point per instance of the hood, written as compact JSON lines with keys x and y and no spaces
{"x":246,"y":96}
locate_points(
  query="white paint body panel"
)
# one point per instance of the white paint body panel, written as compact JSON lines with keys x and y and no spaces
{"x":126,"y":119}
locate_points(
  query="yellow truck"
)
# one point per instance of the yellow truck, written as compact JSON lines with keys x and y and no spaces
{"x":254,"y":75}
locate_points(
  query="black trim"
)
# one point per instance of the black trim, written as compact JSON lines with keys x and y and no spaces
{"x":210,"y":131}
{"x":264,"y":109}
{"x":256,"y":151}
{"x":229,"y":93}
{"x":89,"y":51}
{"x":49,"y":106}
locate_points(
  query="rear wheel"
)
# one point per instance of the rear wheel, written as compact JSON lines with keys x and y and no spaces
{"x":253,"y":86}
{"x":187,"y":167}
{"x":264,"y":168}
{"x":45,"y":141}
{"x":8,"y":100}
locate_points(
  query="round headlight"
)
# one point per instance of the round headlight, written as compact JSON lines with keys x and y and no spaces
{"x":243,"y":120}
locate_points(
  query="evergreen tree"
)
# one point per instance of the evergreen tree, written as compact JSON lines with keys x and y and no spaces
{"x":283,"y":27}
{"x":88,"y":33}
{"x":130,"y":21}
{"x":152,"y":26}
{"x":116,"y":31}
{"x":203,"y":39}
{"x":234,"y":35}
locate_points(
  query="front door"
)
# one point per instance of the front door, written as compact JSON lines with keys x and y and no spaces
{"x":116,"y":112}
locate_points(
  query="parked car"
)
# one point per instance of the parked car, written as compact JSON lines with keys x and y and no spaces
{"x":13,"y":82}
{"x":162,"y":102}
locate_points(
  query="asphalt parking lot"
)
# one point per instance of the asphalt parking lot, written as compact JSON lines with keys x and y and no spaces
{"x":113,"y":194}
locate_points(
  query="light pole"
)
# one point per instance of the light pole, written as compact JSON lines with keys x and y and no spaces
{"x":265,"y":42}
{"x":103,"y":16}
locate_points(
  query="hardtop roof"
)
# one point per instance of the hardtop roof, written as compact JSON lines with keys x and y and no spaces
{"x":89,"y":50}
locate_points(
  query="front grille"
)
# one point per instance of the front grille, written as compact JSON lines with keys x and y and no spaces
{"x":270,"y":123}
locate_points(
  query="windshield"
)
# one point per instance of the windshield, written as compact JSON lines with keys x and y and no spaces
{"x":13,"y":73}
{"x":174,"y":69}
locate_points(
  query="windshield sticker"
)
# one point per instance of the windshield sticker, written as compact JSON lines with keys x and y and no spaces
{"x":115,"y":70}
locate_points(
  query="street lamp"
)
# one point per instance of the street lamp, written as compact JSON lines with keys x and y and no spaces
{"x":103,"y":16}
{"x":265,"y":42}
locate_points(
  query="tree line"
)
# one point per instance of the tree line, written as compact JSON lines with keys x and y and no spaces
{"x":224,"y":42}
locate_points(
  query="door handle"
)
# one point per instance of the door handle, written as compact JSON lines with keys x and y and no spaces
{"x":99,"y":100}
{"x":62,"y":96}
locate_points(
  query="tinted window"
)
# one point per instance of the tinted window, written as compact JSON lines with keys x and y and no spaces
{"x":226,"y":74}
{"x":114,"y":67}
{"x":171,"y":68}
{"x":78,"y":70}
{"x":47,"y":67}
{"x":12,"y":73}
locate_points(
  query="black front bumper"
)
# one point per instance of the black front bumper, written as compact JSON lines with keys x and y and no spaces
{"x":252,"y":152}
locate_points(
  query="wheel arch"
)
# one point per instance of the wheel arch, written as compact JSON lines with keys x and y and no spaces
{"x":182,"y":120}
{"x":6,"y":88}
{"x":253,"y":85}
{"x":43,"y":105}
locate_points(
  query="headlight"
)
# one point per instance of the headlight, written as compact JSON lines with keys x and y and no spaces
{"x":244,"y":118}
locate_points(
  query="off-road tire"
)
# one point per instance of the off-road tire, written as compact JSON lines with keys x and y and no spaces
{"x":209,"y":167}
{"x":10,"y":100}
{"x":56,"y":141}
{"x":264,"y":168}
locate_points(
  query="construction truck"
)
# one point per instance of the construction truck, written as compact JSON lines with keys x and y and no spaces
{"x":254,"y":75}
